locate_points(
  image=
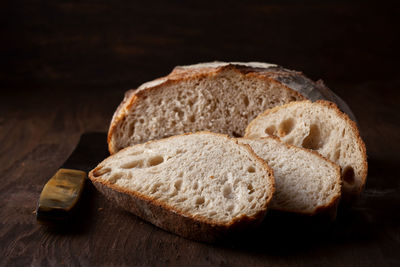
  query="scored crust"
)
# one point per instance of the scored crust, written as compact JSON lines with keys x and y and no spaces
{"x":299,"y":86}
{"x":340,"y":114}
{"x":179,"y":222}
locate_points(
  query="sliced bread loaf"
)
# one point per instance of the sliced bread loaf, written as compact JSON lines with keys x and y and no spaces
{"x":219,"y":97}
{"x":201,"y":186}
{"x":322,"y":127}
{"x":305,"y":182}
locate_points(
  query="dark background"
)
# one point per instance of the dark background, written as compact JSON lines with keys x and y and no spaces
{"x":64,"y":66}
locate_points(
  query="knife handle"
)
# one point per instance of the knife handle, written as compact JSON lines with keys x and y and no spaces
{"x":60,"y":195}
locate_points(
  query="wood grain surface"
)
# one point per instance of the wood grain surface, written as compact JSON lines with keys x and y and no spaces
{"x":65,"y":66}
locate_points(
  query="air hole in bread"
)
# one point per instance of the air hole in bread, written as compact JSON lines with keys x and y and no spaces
{"x":313,"y":140}
{"x":227,"y":191}
{"x":181,"y":151}
{"x":195,"y":186}
{"x":343,"y":132}
{"x":141,"y":121}
{"x":101,"y":171}
{"x":292,"y":98}
{"x":192,"y":118}
{"x":115,"y":177}
{"x":156,"y":160}
{"x":235,"y":134}
{"x":250,"y":188}
{"x":213,"y":213}
{"x":286,"y":127}
{"x":131,"y":129}
{"x":132,"y":164}
{"x":165,"y":188}
{"x":155,"y":187}
{"x":253,"y":206}
{"x":178,"y":111}
{"x":181,"y":199}
{"x":178,"y":184}
{"x":251,"y":169}
{"x":230,"y":207}
{"x":251,"y":198}
{"x":245,"y":100}
{"x":200,"y":200}
{"x":337,"y":155}
{"x":348,"y":175}
{"x":138,"y":152}
{"x":271,"y":130}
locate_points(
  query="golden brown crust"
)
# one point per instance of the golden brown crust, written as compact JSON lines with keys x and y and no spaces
{"x":340,"y":114}
{"x":175,"y":220}
{"x":330,"y":207}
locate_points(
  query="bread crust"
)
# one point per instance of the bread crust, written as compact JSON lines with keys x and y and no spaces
{"x":340,"y":114}
{"x":295,"y":83}
{"x":179,"y":222}
{"x":329,"y":208}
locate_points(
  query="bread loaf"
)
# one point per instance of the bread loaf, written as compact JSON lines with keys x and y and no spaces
{"x":201,"y":186}
{"x":322,"y":127}
{"x":219,"y":97}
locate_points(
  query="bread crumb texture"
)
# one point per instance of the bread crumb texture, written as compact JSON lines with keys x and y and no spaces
{"x":202,"y":175}
{"x":223,"y":102}
{"x":322,"y":127}
{"x":305,"y":182}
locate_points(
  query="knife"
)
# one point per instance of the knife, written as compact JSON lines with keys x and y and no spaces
{"x":61,"y":194}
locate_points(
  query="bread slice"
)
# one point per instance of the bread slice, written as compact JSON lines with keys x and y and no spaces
{"x":322,"y":127}
{"x":201,"y":186}
{"x":305,"y":182}
{"x":219,"y":97}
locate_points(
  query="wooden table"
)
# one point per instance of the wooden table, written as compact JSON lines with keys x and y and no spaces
{"x":65,"y":66}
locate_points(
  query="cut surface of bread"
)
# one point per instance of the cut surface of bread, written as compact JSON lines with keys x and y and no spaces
{"x":322,"y":127}
{"x":219,"y":97}
{"x":197,"y":185}
{"x":305,"y":182}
